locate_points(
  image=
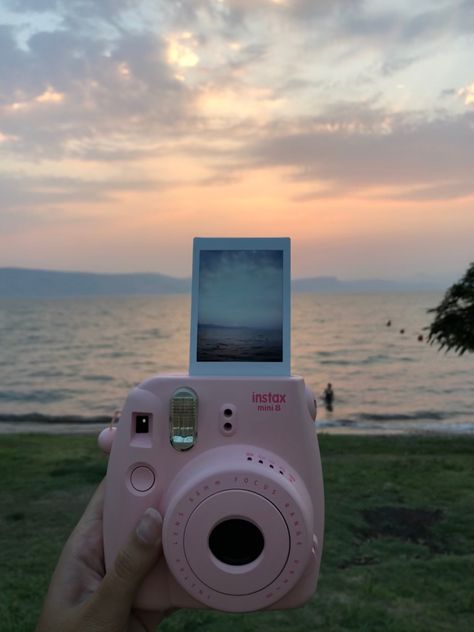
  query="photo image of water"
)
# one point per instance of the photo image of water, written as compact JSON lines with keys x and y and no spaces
{"x":240,"y":313}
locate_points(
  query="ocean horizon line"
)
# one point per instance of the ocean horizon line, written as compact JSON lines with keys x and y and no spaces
{"x":17,"y":282}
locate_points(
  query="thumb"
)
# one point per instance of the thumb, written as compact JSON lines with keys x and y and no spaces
{"x":113,"y":600}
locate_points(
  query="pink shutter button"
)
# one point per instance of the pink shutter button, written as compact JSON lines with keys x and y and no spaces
{"x":142,"y":478}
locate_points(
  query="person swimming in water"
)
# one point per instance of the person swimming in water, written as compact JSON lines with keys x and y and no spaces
{"x":328,"y":397}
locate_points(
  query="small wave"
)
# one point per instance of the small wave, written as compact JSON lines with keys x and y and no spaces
{"x":415,"y":416}
{"x":43,"y":397}
{"x":151,"y":334}
{"x":98,"y":378}
{"x":337,"y":362}
{"x":53,"y":419}
{"x":341,"y":423}
{"x":448,"y":428}
{"x":47,"y":373}
{"x":372,"y":359}
{"x":326,"y":424}
{"x":382,"y":428}
{"x":117,"y":354}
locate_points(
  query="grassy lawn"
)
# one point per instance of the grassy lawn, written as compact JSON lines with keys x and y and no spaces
{"x":399,"y":544}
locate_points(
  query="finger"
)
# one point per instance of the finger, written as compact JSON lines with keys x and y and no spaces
{"x":113,"y":600}
{"x":146,"y":620}
{"x":82,"y":552}
{"x":95,"y":507}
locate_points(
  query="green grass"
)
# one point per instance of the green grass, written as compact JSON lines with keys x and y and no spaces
{"x":399,"y":544}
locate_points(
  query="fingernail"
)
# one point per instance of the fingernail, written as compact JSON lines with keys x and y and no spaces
{"x":149,"y":527}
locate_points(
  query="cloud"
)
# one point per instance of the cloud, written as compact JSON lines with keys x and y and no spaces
{"x":450,"y":190}
{"x":13,"y":61}
{"x":387,"y":26}
{"x":396,"y":64}
{"x":84,"y":7}
{"x":467,"y":94}
{"x":353,"y":19}
{"x":209,"y":79}
{"x":296,"y":9}
{"x":71,"y":94}
{"x":15,"y":220}
{"x":358,"y":149}
{"x":68,"y":88}
{"x":451,"y":17}
{"x":22,"y":191}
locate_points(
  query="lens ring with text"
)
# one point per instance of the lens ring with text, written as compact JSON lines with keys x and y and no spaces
{"x":246,"y":490}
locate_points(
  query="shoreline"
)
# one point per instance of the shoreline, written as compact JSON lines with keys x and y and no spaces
{"x":34,"y":427}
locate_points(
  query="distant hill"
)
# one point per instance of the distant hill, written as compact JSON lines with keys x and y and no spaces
{"x":335,"y":285}
{"x":20,"y":282}
{"x":27,"y":283}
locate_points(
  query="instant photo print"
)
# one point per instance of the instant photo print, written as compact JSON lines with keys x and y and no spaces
{"x":240,"y":315}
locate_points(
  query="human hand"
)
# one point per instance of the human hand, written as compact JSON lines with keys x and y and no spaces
{"x":82,"y":597}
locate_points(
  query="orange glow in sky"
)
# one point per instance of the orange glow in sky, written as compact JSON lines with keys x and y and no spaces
{"x":125,"y":134}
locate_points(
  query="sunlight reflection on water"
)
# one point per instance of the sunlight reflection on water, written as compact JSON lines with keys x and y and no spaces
{"x":81,"y":356}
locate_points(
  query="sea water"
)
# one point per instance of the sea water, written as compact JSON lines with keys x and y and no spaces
{"x":74,"y":360}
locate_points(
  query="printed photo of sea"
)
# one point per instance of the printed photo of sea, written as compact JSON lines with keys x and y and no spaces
{"x":66,"y":364}
{"x":240,"y":306}
{"x":239,"y":344}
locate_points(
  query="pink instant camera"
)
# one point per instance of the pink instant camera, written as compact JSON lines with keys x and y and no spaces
{"x":230,"y":460}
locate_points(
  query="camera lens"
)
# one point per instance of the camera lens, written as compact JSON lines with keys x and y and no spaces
{"x":236,"y":542}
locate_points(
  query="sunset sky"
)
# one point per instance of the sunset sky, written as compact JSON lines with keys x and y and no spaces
{"x":127,"y":127}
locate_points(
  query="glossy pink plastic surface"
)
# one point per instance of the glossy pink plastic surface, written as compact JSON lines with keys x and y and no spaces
{"x":106,"y":439}
{"x":256,"y":458}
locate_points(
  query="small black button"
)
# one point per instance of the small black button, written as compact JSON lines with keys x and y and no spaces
{"x":142,"y":423}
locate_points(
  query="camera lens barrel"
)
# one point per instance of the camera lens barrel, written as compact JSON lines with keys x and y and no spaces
{"x":236,"y":542}
{"x":238,"y":530}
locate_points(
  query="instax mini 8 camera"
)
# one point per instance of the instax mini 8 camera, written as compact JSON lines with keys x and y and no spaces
{"x":228,"y":453}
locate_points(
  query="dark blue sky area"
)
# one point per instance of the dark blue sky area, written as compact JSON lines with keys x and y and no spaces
{"x":241,"y":288}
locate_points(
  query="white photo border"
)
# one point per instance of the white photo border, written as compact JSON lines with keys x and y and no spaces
{"x":282,"y":368}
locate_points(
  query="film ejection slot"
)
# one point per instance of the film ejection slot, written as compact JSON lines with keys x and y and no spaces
{"x":183,"y":419}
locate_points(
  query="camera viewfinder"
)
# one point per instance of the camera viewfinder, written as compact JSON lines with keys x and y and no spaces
{"x":142,"y":423}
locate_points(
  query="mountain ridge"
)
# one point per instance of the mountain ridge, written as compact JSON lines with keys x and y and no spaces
{"x":38,"y":283}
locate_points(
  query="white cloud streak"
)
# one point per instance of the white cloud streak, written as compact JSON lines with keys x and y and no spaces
{"x":241,"y":84}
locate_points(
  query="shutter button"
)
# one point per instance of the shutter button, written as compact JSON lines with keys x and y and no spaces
{"x":142,"y":478}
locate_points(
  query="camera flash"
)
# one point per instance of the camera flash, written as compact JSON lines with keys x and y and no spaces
{"x":183,"y":419}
